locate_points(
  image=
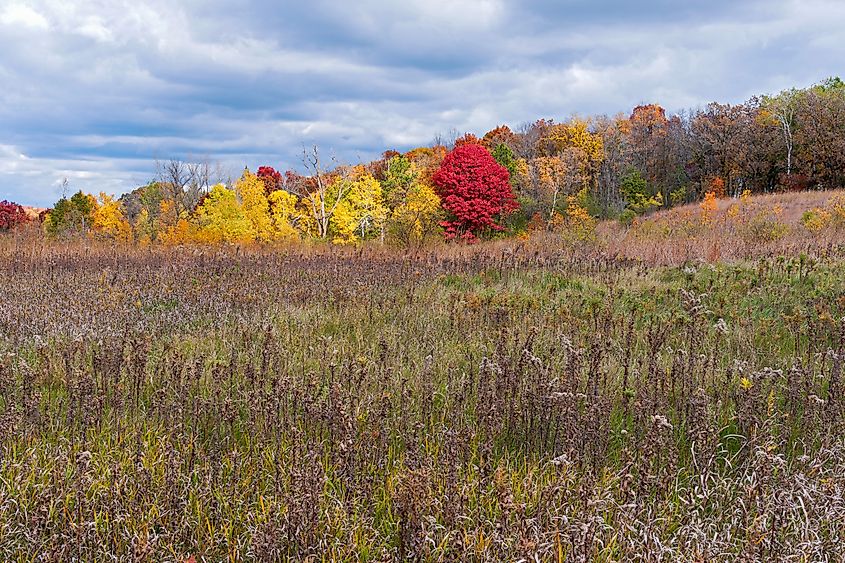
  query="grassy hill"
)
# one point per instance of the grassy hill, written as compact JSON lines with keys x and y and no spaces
{"x":733,"y":228}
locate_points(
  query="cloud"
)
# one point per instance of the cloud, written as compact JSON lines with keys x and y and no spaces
{"x":96,"y":90}
{"x":22,"y":15}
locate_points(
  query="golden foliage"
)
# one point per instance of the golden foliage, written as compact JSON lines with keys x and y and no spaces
{"x":831,"y":215}
{"x":418,"y":217}
{"x":144,"y":228}
{"x":576,"y":134}
{"x":551,"y":175}
{"x":362,"y":211}
{"x":109,"y":221}
{"x":254,"y":205}
{"x":220,"y":218}
{"x":575,"y":222}
{"x":717,"y":186}
{"x":284,"y":214}
{"x":709,"y":206}
{"x":183,"y":232}
{"x":167,"y":216}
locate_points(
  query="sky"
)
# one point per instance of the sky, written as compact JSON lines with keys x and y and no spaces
{"x":96,"y":91}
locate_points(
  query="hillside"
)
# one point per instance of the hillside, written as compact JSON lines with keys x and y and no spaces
{"x":753,"y":226}
{"x":792,"y":204}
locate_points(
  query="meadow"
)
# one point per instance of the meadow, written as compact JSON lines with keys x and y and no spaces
{"x":534,"y":400}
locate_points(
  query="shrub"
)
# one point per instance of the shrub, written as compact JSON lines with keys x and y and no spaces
{"x":764,"y":225}
{"x":679,"y":196}
{"x":575,"y":221}
{"x":816,"y":219}
{"x":627,"y":217}
{"x":709,"y":206}
{"x":640,"y":197}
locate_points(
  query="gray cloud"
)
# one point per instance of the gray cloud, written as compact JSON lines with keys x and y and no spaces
{"x":94,"y":91}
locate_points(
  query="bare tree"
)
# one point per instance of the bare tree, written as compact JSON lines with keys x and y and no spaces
{"x":452,"y":137}
{"x":184,"y":182}
{"x":314,"y":190}
{"x":174,"y":176}
{"x":200,"y":175}
{"x":448,"y":139}
{"x":205,"y":173}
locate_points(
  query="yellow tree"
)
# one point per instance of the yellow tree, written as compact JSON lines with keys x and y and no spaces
{"x":427,"y":161}
{"x":253,"y":199}
{"x":168,"y":217}
{"x":220,"y":218}
{"x":184,"y":231}
{"x":144,"y":227}
{"x":284,"y":214}
{"x":575,"y":221}
{"x":417,"y":217}
{"x":521,"y":173}
{"x":108,"y":219}
{"x":361,"y":211}
{"x":173,"y":227}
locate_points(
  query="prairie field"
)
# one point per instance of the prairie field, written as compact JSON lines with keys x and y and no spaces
{"x":524,"y":400}
{"x":448,"y":281}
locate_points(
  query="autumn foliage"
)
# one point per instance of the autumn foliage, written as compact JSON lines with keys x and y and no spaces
{"x":717,"y":186}
{"x":475,"y":190}
{"x":11,"y":215}
{"x":468,"y":139}
{"x":624,"y":167}
{"x":271,"y":179}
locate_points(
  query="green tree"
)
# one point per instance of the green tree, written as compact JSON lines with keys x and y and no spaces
{"x":71,"y":216}
{"x":399,"y":176}
{"x":505,"y":156}
{"x":639,"y":196}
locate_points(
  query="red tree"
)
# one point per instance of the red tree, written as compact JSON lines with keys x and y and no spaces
{"x":11,"y":215}
{"x":270,"y":177}
{"x":474,"y":189}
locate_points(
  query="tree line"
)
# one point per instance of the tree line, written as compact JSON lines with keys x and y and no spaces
{"x":504,"y":182}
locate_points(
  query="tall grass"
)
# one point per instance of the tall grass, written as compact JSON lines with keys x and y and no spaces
{"x":487,"y":404}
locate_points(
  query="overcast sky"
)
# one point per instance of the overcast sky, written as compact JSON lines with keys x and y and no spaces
{"x":96,"y":90}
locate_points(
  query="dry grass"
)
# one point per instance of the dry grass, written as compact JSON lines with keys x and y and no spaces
{"x":792,"y":204}
{"x":525,"y":400}
{"x":738,"y":229}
